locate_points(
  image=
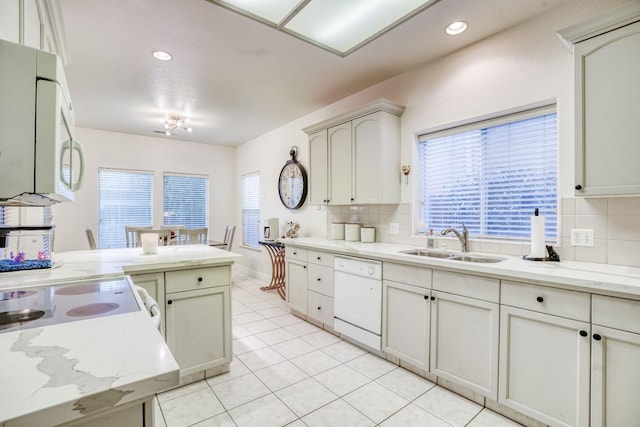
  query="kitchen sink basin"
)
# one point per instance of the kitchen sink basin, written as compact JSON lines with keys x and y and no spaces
{"x":452,"y":256}
{"x":476,"y":258}
{"x":427,"y":253}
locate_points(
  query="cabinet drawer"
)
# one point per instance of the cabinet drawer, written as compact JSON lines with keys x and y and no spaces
{"x":416,"y":276}
{"x":322,"y":258}
{"x":295,"y":253}
{"x":482,"y":288}
{"x":320,"y":307}
{"x":559,"y":302}
{"x":320,"y":279}
{"x":617,"y":313}
{"x":199,"y":278}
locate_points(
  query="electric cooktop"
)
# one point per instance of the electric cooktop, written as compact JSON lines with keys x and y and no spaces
{"x":33,"y":307}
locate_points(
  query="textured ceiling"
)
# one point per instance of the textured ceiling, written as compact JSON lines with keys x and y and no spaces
{"x":234,"y":77}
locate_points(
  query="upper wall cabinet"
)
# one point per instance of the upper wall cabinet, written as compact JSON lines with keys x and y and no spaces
{"x":35,"y":23}
{"x":607,"y":96}
{"x":355,"y":157}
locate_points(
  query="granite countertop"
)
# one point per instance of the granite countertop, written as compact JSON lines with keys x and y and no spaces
{"x":590,"y":277}
{"x":57,"y":373}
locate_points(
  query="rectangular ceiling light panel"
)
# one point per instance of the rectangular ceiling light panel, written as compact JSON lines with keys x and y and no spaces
{"x":340,"y":26}
{"x":343,"y":25}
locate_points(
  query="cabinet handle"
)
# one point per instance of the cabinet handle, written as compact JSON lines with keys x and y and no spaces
{"x":539,"y":299}
{"x":170,"y":302}
{"x":578,"y":187}
{"x":199,"y":279}
{"x":597,"y":337}
{"x":584,"y":333}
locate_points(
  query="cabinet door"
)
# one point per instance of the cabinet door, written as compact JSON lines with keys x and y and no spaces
{"x":297,"y":286}
{"x":544,"y":366}
{"x":405,"y":323}
{"x":615,"y":377}
{"x":367,"y":165}
{"x":10,"y":20}
{"x":464,"y":342}
{"x":320,"y":279}
{"x":340,"y":155}
{"x":198,"y":326}
{"x":153,"y":283}
{"x":607,"y":126}
{"x":318,"y":166}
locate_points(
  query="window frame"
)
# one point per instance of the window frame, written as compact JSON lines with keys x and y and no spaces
{"x":480,"y":124}
{"x":205,"y":224}
{"x":246,"y":233}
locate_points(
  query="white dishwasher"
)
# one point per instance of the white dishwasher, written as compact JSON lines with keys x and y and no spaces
{"x":358,"y":299}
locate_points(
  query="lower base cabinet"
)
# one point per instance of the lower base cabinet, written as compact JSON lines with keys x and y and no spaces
{"x":197,"y":328}
{"x":405,"y":323}
{"x":544,"y":366}
{"x":136,"y":414}
{"x":464,"y":342}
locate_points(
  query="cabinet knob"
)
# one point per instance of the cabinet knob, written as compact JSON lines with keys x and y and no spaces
{"x":170,"y":302}
{"x":295,"y":253}
{"x":319,"y":307}
{"x":304,"y":266}
{"x":578,"y":187}
{"x":433,"y":298}
{"x":319,"y":279}
{"x":597,"y":337}
{"x":318,"y":258}
{"x":426,"y":297}
{"x":584,"y":333}
{"x":540,"y":299}
{"x":199,"y":279}
{"x":352,"y":199}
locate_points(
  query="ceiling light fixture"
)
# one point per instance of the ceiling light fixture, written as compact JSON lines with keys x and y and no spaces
{"x":456,"y":27}
{"x":173,"y":124}
{"x":161,"y":55}
{"x":341,"y":27}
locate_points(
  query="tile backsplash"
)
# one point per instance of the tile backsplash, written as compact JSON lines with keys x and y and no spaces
{"x":615,"y":223}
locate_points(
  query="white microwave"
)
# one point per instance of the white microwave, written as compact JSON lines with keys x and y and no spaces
{"x":40,"y":161}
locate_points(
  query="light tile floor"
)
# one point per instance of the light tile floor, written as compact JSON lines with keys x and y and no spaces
{"x":289,"y":372}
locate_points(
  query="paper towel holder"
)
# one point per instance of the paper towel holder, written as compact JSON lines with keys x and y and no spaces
{"x":552,"y":255}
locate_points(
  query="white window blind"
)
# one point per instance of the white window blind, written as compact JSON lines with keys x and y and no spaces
{"x":492,"y":175}
{"x":251,"y":209}
{"x":186,"y":200}
{"x":124,"y":198}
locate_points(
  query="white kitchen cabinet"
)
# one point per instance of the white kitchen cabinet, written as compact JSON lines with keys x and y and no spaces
{"x":615,"y":354}
{"x":136,"y":414}
{"x":465,"y":331}
{"x":198,"y":317}
{"x":318,"y":168}
{"x":153,"y":283}
{"x":544,"y":367}
{"x":296,"y":275}
{"x":31,"y":16}
{"x":354,"y":157}
{"x":405,"y":322}
{"x":607,"y":95}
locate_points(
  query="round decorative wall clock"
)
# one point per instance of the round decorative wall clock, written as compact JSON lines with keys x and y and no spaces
{"x":292,"y":183}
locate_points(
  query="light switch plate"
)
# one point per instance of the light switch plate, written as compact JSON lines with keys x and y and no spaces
{"x":394,"y":228}
{"x":582,"y":237}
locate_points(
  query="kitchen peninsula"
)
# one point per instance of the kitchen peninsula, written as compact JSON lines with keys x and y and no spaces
{"x":107,"y":369}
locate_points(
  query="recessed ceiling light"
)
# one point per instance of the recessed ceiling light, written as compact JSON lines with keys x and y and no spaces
{"x":456,"y":27}
{"x":161,"y":55}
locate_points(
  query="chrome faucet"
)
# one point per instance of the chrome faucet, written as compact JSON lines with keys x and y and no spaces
{"x":464,"y":237}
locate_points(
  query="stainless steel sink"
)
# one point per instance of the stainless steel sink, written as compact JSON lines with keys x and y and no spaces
{"x":427,"y":253}
{"x":476,"y":258}
{"x":453,"y":256}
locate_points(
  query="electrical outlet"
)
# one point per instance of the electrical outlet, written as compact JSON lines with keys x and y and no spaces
{"x":394,"y":228}
{"x":582,"y":237}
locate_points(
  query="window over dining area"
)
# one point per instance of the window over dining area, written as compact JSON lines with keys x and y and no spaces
{"x":492,"y":175}
{"x":186,"y":200}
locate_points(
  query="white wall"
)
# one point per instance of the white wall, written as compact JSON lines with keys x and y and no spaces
{"x":125,"y":151}
{"x":524,"y":65}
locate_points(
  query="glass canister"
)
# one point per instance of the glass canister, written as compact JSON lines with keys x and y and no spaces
{"x":25,"y":247}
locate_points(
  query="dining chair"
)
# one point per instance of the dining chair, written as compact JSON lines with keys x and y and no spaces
{"x":91,"y":239}
{"x":192,"y":236}
{"x":132,"y":234}
{"x":228,"y":239}
{"x":164,"y":236}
